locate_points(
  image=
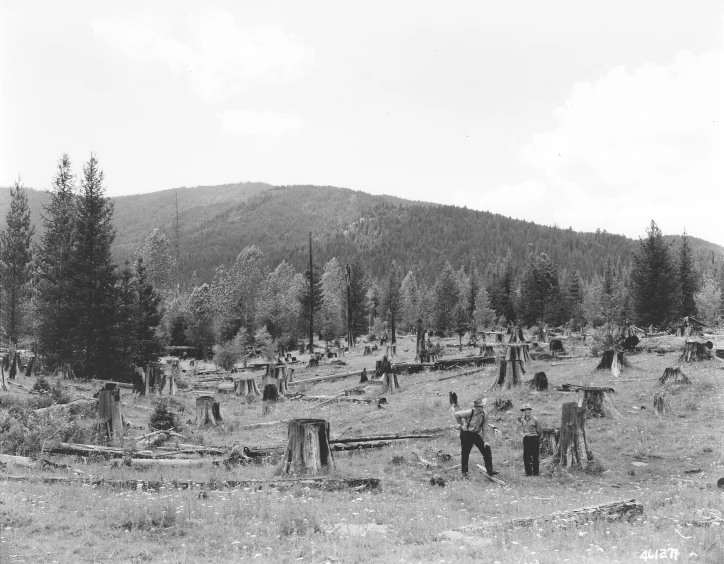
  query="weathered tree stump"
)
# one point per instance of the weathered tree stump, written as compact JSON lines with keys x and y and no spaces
{"x":517,"y":335}
{"x":246,"y":386}
{"x":487,"y":350}
{"x":313,"y":363}
{"x":271,"y":393}
{"x":207,"y":411}
{"x":390,"y":385}
{"x":172,"y":387}
{"x":363,"y":377}
{"x":512,"y":369}
{"x":548,"y":441}
{"x":539,"y":382}
{"x":110,"y":416}
{"x":307,"y":449}
{"x":382,"y":367}
{"x":556,"y":347}
{"x":572,"y":447}
{"x":503,"y":404}
{"x":696,"y":351}
{"x":391,"y":351}
{"x":596,"y":402}
{"x":613,"y":361}
{"x":367,"y":351}
{"x":453,"y":397}
{"x":14,"y":367}
{"x":31,"y":364}
{"x":674,"y":376}
{"x":661,"y":402}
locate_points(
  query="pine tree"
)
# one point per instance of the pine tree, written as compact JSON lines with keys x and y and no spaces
{"x":709,"y":300}
{"x":199,"y":318}
{"x":688,"y":279}
{"x":653,"y":280}
{"x":447,"y":297}
{"x":308,"y":293}
{"x":55,"y":316}
{"x":15,"y":259}
{"x":357,"y":306}
{"x":159,"y":263}
{"x":484,"y":315}
{"x":332,"y":315}
{"x":126,"y":318}
{"x":148,"y":345}
{"x":93,"y":277}
{"x":410,"y":293}
{"x":391,"y":299}
{"x":540,"y":296}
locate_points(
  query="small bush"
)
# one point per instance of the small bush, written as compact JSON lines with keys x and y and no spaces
{"x":41,"y":385}
{"x":162,"y":419}
{"x":298,"y":522}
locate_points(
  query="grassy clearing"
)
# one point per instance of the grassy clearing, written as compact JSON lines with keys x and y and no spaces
{"x":78,"y":523}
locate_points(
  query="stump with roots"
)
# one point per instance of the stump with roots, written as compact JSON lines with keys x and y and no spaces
{"x":661,"y":402}
{"x":313,"y":363}
{"x":246,"y":386}
{"x":573,"y":448}
{"x":512,"y":369}
{"x":308,"y":450}
{"x":503,"y":404}
{"x":517,"y":335}
{"x":279,"y":376}
{"x":391,"y":350}
{"x":673,"y":375}
{"x":613,"y":361}
{"x":382,"y":367}
{"x":556,"y":347}
{"x":596,"y":402}
{"x":110,"y":415}
{"x":390,"y":385}
{"x":208,"y":411}
{"x":539,"y":382}
{"x":695,"y":351}
{"x":548,"y":441}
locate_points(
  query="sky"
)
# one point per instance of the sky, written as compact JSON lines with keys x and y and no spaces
{"x":577,"y":114}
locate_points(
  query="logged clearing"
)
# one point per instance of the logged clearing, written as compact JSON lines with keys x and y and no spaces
{"x":401,"y":499}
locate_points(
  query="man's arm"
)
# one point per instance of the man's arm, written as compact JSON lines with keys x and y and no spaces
{"x":459,"y":415}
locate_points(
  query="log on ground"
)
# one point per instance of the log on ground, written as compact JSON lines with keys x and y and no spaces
{"x":613,"y":511}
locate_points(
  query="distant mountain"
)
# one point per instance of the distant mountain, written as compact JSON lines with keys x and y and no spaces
{"x":216,"y":222}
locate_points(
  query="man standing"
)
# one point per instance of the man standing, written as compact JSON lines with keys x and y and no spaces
{"x":531,"y":442}
{"x":472,"y":424}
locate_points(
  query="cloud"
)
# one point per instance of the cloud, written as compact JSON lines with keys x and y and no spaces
{"x":638,"y":144}
{"x":265,"y":124}
{"x":217,"y":57}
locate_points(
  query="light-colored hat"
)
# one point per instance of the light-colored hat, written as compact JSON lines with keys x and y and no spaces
{"x":480,"y":402}
{"x":526,"y":406}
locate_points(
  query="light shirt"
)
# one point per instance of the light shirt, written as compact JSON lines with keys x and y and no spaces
{"x":530,"y":426}
{"x":473,"y":420}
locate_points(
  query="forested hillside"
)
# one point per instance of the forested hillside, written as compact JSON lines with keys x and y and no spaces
{"x":216,"y":222}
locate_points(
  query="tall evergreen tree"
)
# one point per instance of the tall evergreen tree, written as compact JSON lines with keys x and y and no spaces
{"x":447,"y":297}
{"x":332,"y":313}
{"x":410,"y":293}
{"x":501,"y":288}
{"x":127,"y":318}
{"x":313,"y":292}
{"x":687,"y":279}
{"x":357,"y":306}
{"x":540,"y":295}
{"x":15,"y":259}
{"x":93,"y":277}
{"x":55,"y":315}
{"x":159,"y":263}
{"x":391,"y":299}
{"x":148,"y":345}
{"x":653,"y":279}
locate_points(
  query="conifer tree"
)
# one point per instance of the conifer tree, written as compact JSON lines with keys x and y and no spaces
{"x":688,"y":279}
{"x":653,"y":279}
{"x":540,"y":296}
{"x":148,"y":317}
{"x":357,"y":306}
{"x":447,"y":297}
{"x":159,"y":263}
{"x":391,"y":299}
{"x":410,"y":294}
{"x":126,"y":318}
{"x":55,"y":316}
{"x":92,"y":277}
{"x":332,"y":314}
{"x":314,"y":293}
{"x":15,"y":259}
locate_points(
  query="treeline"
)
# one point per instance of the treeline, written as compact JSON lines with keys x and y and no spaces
{"x":66,"y":297}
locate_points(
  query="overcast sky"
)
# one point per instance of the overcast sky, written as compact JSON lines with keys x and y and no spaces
{"x":590,"y":115}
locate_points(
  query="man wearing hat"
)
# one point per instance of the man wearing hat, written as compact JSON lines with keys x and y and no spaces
{"x":472,"y":424}
{"x":531,"y":444}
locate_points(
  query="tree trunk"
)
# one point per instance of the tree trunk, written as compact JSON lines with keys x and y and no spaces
{"x":572,"y":448}
{"x":172,"y":388}
{"x":247,"y":387}
{"x":661,"y":402}
{"x":14,"y":366}
{"x":307,"y":449}
{"x":613,"y":361}
{"x":539,"y":381}
{"x":110,"y":415}
{"x":391,"y":350}
{"x":510,"y":370}
{"x":696,"y":351}
{"x":675,"y":376}
{"x":596,"y":402}
{"x":207,"y":411}
{"x":548,"y":441}
{"x":3,"y":384}
{"x":420,"y":340}
{"x":390,"y":384}
{"x":614,"y":511}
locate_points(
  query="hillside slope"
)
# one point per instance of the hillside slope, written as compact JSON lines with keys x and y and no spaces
{"x":216,"y":222}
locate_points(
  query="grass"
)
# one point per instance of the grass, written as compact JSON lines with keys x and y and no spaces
{"x":78,"y":523}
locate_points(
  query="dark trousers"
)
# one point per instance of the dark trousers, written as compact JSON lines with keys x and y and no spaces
{"x":468,"y":439}
{"x":531,"y":447}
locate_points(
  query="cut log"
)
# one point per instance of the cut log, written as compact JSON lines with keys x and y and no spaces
{"x":63,"y":407}
{"x":385,"y":438}
{"x":308,"y":450}
{"x":539,"y":382}
{"x":491,"y":478}
{"x":359,"y":446}
{"x":596,"y":402}
{"x":390,"y":384}
{"x":207,"y":411}
{"x":110,"y":415}
{"x":150,"y":462}
{"x":613,"y":511}
{"x":572,"y":448}
{"x":674,"y":376}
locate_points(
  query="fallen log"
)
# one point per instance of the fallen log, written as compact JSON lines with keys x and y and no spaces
{"x":62,"y":407}
{"x":384,"y":438}
{"x":613,"y":511}
{"x":465,"y":361}
{"x":146,"y":462}
{"x":339,"y":398}
{"x":358,"y":446}
{"x":461,"y":374}
{"x":330,"y":378}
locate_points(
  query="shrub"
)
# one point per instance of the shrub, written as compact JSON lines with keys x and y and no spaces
{"x":41,"y":385}
{"x":162,"y":419}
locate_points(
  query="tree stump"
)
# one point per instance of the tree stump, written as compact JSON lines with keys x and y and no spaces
{"x":382,"y":367}
{"x":548,"y":441}
{"x":246,"y":386}
{"x":172,"y":387}
{"x":14,"y":367}
{"x":696,"y":351}
{"x":674,"y":376}
{"x":391,"y":350}
{"x":510,"y":370}
{"x":307,"y":449}
{"x":572,"y":447}
{"x":207,"y":411}
{"x":390,"y":385}
{"x":503,"y":404}
{"x":596,"y":402}
{"x":31,"y":364}
{"x":517,"y":335}
{"x":539,"y":382}
{"x":367,"y":351}
{"x":556,"y":347}
{"x":363,"y":377}
{"x":271,"y":393}
{"x":661,"y":402}
{"x":110,"y":415}
{"x":313,"y":363}
{"x":487,"y":350}
{"x":453,"y":397}
{"x":613,"y":361}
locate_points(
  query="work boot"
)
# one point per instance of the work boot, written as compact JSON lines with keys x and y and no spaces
{"x":492,"y":472}
{"x":465,"y":476}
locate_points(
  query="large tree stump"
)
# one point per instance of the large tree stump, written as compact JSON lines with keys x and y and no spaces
{"x":661,"y":402}
{"x":539,"y":382}
{"x":572,"y":447}
{"x":695,"y":351}
{"x":512,"y":369}
{"x":307,"y":449}
{"x":517,"y":335}
{"x":596,"y":402}
{"x":613,"y":361}
{"x":207,"y":411}
{"x":382,"y":367}
{"x":14,"y":367}
{"x":172,"y":387}
{"x":548,"y":441}
{"x":390,"y":385}
{"x":110,"y":415}
{"x":246,"y":386}
{"x":487,"y":350}
{"x":673,"y":376}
